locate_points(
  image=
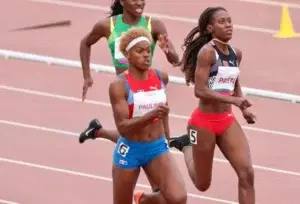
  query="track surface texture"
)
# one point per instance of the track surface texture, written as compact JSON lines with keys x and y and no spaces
{"x":41,"y":111}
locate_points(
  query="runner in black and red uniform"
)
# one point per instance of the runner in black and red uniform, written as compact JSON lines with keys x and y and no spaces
{"x":212,"y":65}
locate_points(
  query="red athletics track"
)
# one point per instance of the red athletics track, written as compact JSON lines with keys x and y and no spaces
{"x":273,"y":152}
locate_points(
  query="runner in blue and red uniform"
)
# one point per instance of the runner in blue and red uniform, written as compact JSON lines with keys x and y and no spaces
{"x":124,"y":14}
{"x":212,"y":65}
{"x":139,"y":103}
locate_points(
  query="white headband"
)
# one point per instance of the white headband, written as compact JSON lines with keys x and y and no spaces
{"x":135,"y":41}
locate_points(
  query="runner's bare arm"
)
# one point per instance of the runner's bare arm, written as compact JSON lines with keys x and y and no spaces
{"x":165,"y":79}
{"x":117,"y":95}
{"x":238,"y":89}
{"x":99,"y":30}
{"x":159,"y":29}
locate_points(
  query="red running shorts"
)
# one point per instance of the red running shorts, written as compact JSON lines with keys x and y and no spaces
{"x":217,"y":123}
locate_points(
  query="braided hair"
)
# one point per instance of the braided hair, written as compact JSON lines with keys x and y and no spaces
{"x":116,"y":8}
{"x":193,"y":44}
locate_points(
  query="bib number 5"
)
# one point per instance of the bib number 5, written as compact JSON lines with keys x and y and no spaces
{"x":193,"y":136}
{"x":123,"y":149}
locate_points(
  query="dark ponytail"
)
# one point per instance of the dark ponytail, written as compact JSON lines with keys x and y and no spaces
{"x":116,"y":8}
{"x":193,"y":44}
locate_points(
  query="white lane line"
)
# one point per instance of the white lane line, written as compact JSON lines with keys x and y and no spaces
{"x":155,"y":15}
{"x":7,"y":202}
{"x":69,"y":133}
{"x":105,"y":104}
{"x":102,"y":178}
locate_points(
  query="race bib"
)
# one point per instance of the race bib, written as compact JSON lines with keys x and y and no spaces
{"x":226,"y":78}
{"x":145,"y":102}
{"x":123,"y":149}
{"x":118,"y":53}
{"x":193,"y":136}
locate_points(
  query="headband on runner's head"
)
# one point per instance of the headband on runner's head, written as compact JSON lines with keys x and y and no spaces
{"x":135,"y":41}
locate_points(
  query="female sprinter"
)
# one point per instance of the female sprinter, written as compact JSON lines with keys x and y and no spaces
{"x":211,"y":64}
{"x":125,"y":14}
{"x":139,"y":104}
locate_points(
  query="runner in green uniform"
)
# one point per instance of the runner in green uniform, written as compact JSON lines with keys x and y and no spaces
{"x":116,"y":29}
{"x":121,"y":19}
{"x":124,"y":15}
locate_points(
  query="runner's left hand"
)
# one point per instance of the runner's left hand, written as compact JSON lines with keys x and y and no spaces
{"x":164,"y":43}
{"x":249,"y":116}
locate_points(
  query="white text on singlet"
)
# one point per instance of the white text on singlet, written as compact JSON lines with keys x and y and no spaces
{"x":225,"y":80}
{"x":145,"y":102}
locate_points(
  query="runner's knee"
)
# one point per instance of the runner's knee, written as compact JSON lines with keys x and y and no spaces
{"x":176,"y":197}
{"x":203,"y":184}
{"x":246,"y":176}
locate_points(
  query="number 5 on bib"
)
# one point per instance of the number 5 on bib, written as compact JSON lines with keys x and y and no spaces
{"x":193,"y":136}
{"x":123,"y":149}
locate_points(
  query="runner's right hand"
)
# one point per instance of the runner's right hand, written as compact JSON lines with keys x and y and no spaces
{"x":242,"y":103}
{"x":88,"y":82}
{"x":161,"y":110}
